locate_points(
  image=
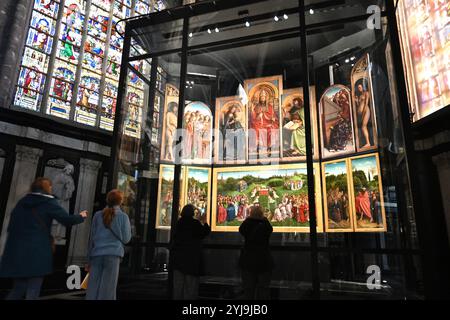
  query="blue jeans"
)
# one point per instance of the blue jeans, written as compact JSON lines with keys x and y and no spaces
{"x":30,"y":288}
{"x":103,"y":277}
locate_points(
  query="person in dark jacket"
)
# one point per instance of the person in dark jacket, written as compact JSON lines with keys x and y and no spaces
{"x":28,"y":257}
{"x":256,"y":261}
{"x":186,"y":253}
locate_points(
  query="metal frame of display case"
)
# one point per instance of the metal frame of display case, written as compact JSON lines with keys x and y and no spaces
{"x":184,"y":13}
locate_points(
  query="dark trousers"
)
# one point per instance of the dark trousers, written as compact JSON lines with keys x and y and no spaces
{"x":28,"y":288}
{"x":185,"y":286}
{"x":256,"y":285}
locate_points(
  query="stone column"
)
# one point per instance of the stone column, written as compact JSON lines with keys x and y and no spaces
{"x":442,"y":162}
{"x":24,"y":174}
{"x":87,"y":183}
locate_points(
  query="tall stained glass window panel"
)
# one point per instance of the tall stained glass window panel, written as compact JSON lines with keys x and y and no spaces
{"x":36,"y":56}
{"x":71,"y":60}
{"x":66,"y":60}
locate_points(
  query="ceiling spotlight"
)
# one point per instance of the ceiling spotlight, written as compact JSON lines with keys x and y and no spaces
{"x":209,"y":31}
{"x":353,"y":64}
{"x":311,"y":11}
{"x":353,"y":58}
{"x":285,"y":16}
{"x":276,"y":18}
{"x":347,"y":60}
{"x":247,"y":24}
{"x":190,"y":35}
{"x":217,"y":29}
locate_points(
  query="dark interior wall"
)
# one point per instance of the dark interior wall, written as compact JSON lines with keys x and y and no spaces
{"x":435,"y":242}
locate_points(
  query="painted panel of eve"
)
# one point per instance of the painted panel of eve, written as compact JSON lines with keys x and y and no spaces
{"x":363,"y":106}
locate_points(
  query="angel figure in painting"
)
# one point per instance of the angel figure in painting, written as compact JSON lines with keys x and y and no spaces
{"x":361,"y":98}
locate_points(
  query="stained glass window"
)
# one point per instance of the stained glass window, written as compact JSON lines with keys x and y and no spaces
{"x":71,"y":61}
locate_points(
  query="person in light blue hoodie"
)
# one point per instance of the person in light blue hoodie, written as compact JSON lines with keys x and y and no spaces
{"x":110,"y":231}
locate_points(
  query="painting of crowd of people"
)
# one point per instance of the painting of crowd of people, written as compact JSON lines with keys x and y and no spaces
{"x":197,"y":186}
{"x":165,"y":197}
{"x":337,"y":207}
{"x":281,"y":192}
{"x":367,"y":193}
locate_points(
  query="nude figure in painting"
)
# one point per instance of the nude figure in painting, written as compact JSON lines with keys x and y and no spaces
{"x":361,"y":99}
{"x":171,"y":127}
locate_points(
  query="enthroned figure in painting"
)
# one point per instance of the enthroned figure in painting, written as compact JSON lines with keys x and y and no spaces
{"x":263,"y":121}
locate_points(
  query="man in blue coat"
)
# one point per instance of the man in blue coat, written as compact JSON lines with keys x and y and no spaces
{"x":28,"y":256}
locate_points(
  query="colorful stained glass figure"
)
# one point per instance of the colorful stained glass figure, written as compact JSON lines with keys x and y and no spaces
{"x":94,"y":46}
{"x":122,"y":10}
{"x":134,"y":96}
{"x":116,"y":40}
{"x":104,"y":4}
{"x":159,"y":5}
{"x":72,"y":34}
{"x":141,"y":8}
{"x":68,"y":52}
{"x":35,"y":59}
{"x":48,"y":7}
{"x":97,"y":29}
{"x":92,"y":62}
{"x":31,"y":80}
{"x":61,"y":89}
{"x":27,"y":100}
{"x":39,"y":41}
{"x":73,"y":15}
{"x":43,"y":23}
{"x":90,"y":81}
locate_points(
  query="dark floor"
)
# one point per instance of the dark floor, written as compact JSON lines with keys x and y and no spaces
{"x":154,"y":287}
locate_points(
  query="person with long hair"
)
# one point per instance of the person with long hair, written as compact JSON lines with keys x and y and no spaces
{"x":186,"y":253}
{"x":256,"y":261}
{"x":28,"y":257}
{"x":110,"y":232}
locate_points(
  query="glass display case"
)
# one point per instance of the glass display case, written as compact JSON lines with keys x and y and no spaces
{"x":288,"y":105}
